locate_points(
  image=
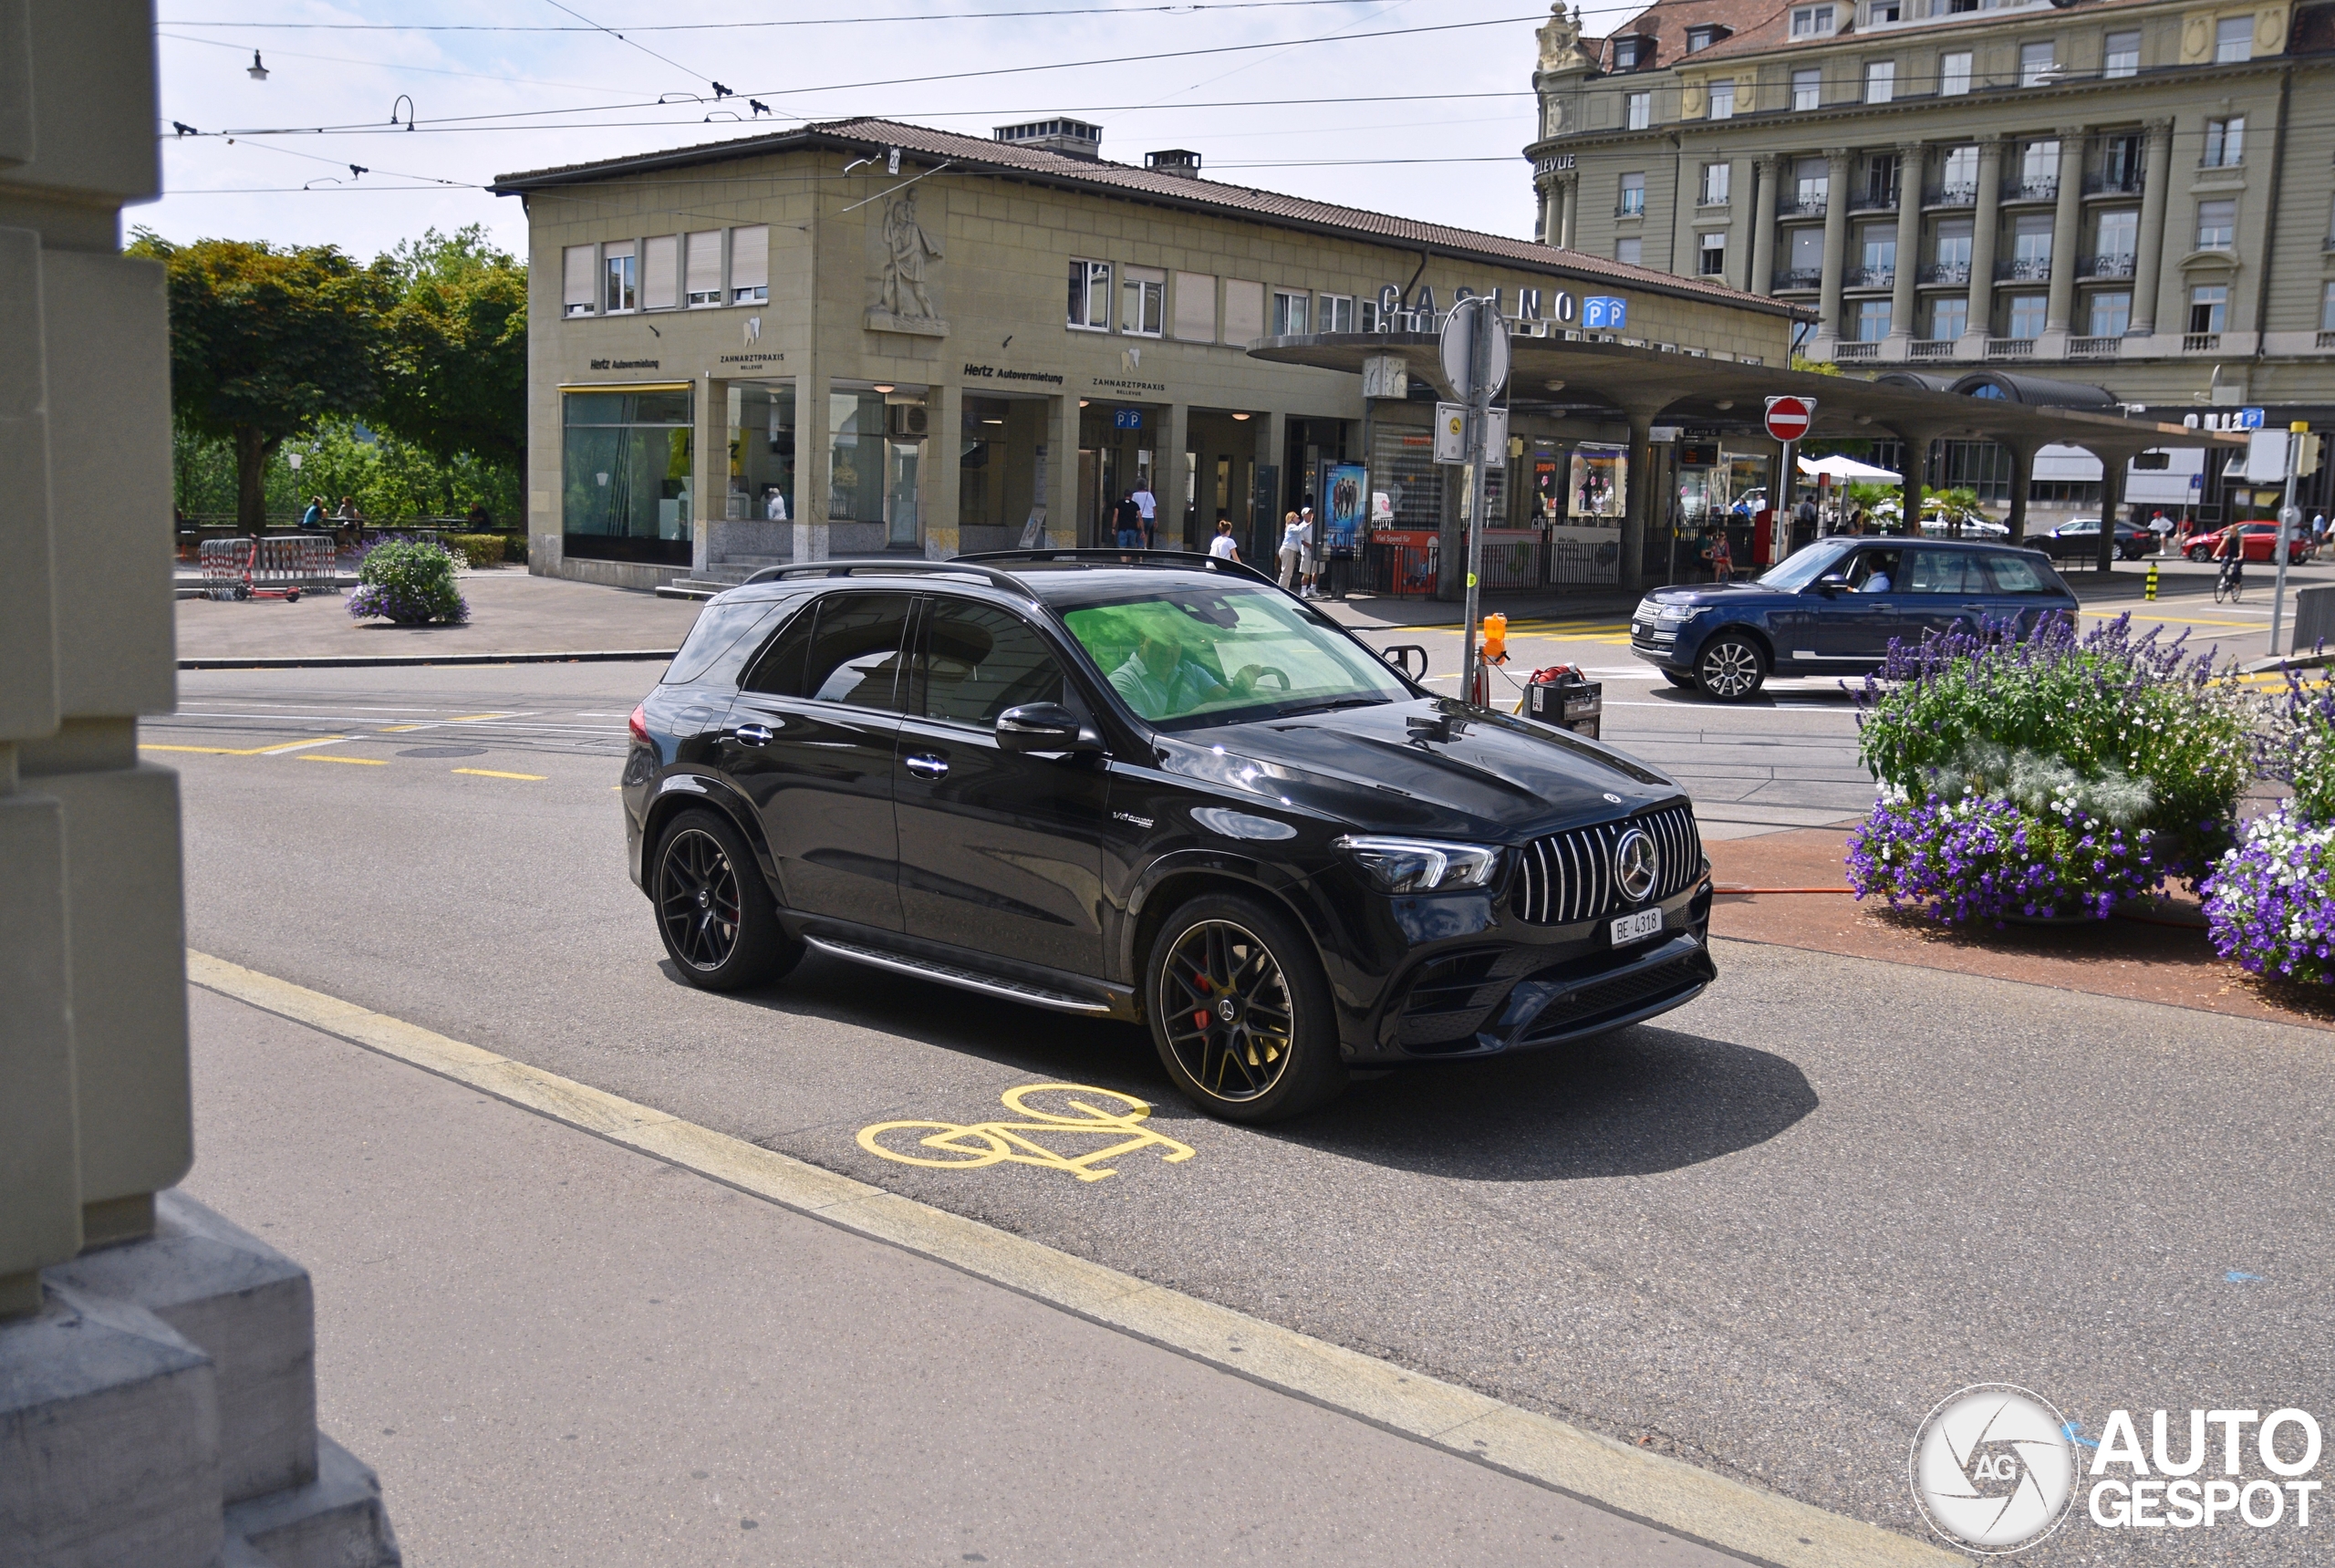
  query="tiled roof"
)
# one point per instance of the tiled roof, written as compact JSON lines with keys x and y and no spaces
{"x":1765,"y":27}
{"x":1157,"y":187}
{"x":1666,"y":25}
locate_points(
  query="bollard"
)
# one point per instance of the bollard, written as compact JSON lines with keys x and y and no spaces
{"x":1495,"y":638}
{"x":2149,"y":592}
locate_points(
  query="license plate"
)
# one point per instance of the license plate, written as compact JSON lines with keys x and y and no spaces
{"x":1637,"y":928}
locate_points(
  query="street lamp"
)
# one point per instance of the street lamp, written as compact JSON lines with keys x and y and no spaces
{"x":255,"y":70}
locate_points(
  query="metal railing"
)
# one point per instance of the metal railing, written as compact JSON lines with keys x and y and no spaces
{"x":1944,"y":271}
{"x":2043,"y":188}
{"x":2326,"y":340}
{"x":1874,"y":202}
{"x":1802,"y":207}
{"x":1803,"y":278}
{"x":2032,"y":268}
{"x":2105,"y":266}
{"x":1871,"y":277}
{"x":2097,"y":184}
{"x":1957,"y":195}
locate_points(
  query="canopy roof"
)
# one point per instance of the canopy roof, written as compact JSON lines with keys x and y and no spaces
{"x":1613,"y":381}
{"x":1847,"y":468}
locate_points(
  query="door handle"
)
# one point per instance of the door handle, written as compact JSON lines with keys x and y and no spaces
{"x":926,"y":766}
{"x":753,"y":734}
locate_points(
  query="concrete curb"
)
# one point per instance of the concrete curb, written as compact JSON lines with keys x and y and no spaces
{"x":2278,"y":663}
{"x":366,"y":662}
{"x":1655,"y":1489}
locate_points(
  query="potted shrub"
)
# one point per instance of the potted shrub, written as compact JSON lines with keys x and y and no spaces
{"x":2045,"y":778}
{"x":2270,"y":902}
{"x":410,"y":582}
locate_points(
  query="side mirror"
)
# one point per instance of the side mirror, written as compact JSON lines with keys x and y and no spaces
{"x":1039,"y":727}
{"x":1831,"y":583}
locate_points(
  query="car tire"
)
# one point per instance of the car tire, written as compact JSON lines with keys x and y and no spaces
{"x":714,"y":911}
{"x":1730,"y":668}
{"x":1680,"y":680}
{"x":1244,"y":953}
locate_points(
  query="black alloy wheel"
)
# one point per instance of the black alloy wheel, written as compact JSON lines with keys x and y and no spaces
{"x":712,"y":910}
{"x":1730,"y":668}
{"x":1241,"y":1011}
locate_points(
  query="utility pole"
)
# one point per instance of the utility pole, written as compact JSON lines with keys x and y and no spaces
{"x":1483,"y":368}
{"x":2288,"y":517}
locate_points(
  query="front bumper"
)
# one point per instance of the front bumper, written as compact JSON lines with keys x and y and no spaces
{"x":1664,"y":642}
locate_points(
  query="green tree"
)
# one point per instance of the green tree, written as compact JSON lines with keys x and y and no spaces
{"x":453,"y":366}
{"x":266,"y":342}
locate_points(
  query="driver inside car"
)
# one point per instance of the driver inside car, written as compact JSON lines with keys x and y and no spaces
{"x":1163,"y":680}
{"x":1874,"y":571}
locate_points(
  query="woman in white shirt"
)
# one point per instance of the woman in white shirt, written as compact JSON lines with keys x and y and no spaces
{"x":1291,"y":551}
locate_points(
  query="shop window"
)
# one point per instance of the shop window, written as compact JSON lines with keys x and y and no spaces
{"x":575,"y":279}
{"x":2038,"y":63}
{"x":1712,"y":259}
{"x":1637,"y":110}
{"x":2027,"y":314}
{"x":2233,"y":41}
{"x":1333,"y":313}
{"x":1880,"y":80}
{"x":1196,"y":307}
{"x":626,"y":469}
{"x":1807,"y":89}
{"x":1717,"y":177}
{"x":871,"y":478}
{"x":2216,"y":225}
{"x":1090,"y":295}
{"x":1632,"y":203}
{"x":750,"y":265}
{"x":2226,"y":142}
{"x":1290,"y":313}
{"x":702,"y":276}
{"x":2209,"y":307}
{"x":2111,"y":313}
{"x":1143,"y":302}
{"x":620,"y":278}
{"x":1722,"y":99}
{"x":761,"y":453}
{"x":1954,"y":74}
{"x":660,"y":262}
{"x":2122,"y":57}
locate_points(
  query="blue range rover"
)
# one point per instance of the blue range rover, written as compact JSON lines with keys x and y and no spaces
{"x":1835,"y":607}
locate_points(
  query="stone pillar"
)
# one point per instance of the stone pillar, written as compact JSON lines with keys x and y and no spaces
{"x":2022,"y":480}
{"x":1568,"y":208}
{"x":1061,"y":473}
{"x":1911,"y":172}
{"x":1273,"y":447}
{"x":938,"y":495}
{"x":2150,"y":259}
{"x":2113,"y":458}
{"x":1836,"y":248}
{"x":1912,"y":481}
{"x":1552,"y":211}
{"x":709,"y":472}
{"x":1637,"y":518}
{"x":1766,"y":191}
{"x":2066,"y":231}
{"x":1176,"y":493}
{"x":813,"y":453}
{"x":1981,"y":323}
{"x":1741,"y":191}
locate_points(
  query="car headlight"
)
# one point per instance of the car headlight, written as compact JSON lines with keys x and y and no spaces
{"x":1422,"y":865}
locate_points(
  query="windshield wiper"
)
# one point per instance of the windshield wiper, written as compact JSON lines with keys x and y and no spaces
{"x":1328,"y":704}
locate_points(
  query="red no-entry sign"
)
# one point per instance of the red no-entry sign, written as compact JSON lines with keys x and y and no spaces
{"x":1788,"y":418}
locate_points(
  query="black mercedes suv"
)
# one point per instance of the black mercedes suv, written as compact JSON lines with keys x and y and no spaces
{"x":1159,"y":788}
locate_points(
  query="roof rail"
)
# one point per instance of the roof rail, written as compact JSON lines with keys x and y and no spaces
{"x":1104,"y":556}
{"x":882,"y":565}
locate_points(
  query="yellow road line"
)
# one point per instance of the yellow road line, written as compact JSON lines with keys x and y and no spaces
{"x":1667,"y":1492}
{"x":243,"y":751}
{"x":402,"y":729}
{"x":2182,"y":620}
{"x":359,"y":762}
{"x":491,"y":774}
{"x":467,"y":718}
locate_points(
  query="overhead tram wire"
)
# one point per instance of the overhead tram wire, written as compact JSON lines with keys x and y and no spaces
{"x":1186,"y":9}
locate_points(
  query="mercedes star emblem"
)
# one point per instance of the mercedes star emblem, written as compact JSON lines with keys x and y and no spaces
{"x":1635,"y":864}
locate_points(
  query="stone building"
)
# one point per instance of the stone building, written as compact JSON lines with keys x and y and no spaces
{"x":2132,"y":193}
{"x":870,"y":336}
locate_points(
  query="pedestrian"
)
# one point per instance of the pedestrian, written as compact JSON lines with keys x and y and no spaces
{"x":478,"y":520}
{"x":314,"y":517}
{"x":1146,"y":506}
{"x":1127,"y":518}
{"x":1721,"y":557}
{"x":1222,"y":547}
{"x":2319,"y":528}
{"x":1803,"y":520}
{"x":1309,"y":544}
{"x":1291,"y":551}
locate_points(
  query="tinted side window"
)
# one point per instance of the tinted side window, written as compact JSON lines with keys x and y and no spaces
{"x":721,"y":626}
{"x":1944,"y":572}
{"x":1873,"y":572}
{"x":980,"y":661}
{"x":777,"y":670}
{"x":2017,"y":574}
{"x":855,"y":649}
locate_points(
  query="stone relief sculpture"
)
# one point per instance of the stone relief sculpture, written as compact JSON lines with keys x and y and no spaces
{"x":907,"y":247}
{"x":1560,"y":39}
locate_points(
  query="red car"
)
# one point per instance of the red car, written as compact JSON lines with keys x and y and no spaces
{"x":2258,"y":540}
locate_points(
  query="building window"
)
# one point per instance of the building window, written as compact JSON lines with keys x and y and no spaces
{"x":1954,"y":249}
{"x":1716,"y":180}
{"x":1811,"y":21}
{"x":1881,"y":180}
{"x":1626,"y":52}
{"x":2120,"y":160}
{"x":1633,"y":201}
{"x":2120,"y":235}
{"x":1958,"y":174}
{"x":2110,"y":314}
{"x":1954,"y":74}
{"x":1808,"y":253}
{"x":1630,"y":251}
{"x":1878,"y":245}
{"x":1948,"y":318}
{"x":2226,"y":142}
{"x":1367,"y":313}
{"x":2122,"y":59}
{"x":625,"y":474}
{"x":1090,"y":295}
{"x":1335,"y":313}
{"x":1143,"y":302}
{"x":750,"y":265}
{"x":1880,"y":80}
{"x":1807,"y":88}
{"x":1812,"y":182}
{"x":2026,"y":314}
{"x":2038,"y":63}
{"x":2038,"y":168}
{"x":660,"y":264}
{"x":1637,"y":110}
{"x":1702,"y":38}
{"x":2030,"y":247}
{"x":619,"y":281}
{"x":2233,"y":41}
{"x":2208,"y":308}
{"x":2216,"y":225}
{"x":575,"y":278}
{"x":1195,"y":306}
{"x":2327,"y":308}
{"x":1713,"y":258}
{"x":1888,"y":10}
{"x":1289,"y":312}
{"x":1722,"y":99}
{"x":1872,"y":320}
{"x":701,"y":272}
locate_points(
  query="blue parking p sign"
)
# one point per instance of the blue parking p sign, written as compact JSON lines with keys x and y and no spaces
{"x":2249,"y":419}
{"x":1127,"y":419}
{"x":1606,"y":311}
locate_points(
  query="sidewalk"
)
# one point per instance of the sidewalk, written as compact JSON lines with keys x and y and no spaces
{"x":556,"y":1350}
{"x":511,"y":613}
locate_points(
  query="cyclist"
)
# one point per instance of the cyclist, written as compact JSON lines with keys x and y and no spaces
{"x":2230,"y":551}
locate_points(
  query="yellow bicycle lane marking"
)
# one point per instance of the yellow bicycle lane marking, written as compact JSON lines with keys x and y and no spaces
{"x":964,"y":1147}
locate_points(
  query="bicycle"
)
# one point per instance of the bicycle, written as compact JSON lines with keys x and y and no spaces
{"x":2230,"y":584}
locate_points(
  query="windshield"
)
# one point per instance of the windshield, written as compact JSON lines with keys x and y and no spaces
{"x":1795,"y":571}
{"x":1216,"y":655}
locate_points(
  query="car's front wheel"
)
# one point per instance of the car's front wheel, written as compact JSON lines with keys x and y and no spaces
{"x":1730,"y":668}
{"x":715,"y":914}
{"x":1679,"y":678}
{"x":1241,"y":1011}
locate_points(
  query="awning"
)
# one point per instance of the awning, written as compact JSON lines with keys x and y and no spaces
{"x":1839,"y":467}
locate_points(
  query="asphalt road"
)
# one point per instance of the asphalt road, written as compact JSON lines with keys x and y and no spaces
{"x":1766,"y":1232}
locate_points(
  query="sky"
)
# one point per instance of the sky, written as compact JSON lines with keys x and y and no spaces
{"x":494,"y":87}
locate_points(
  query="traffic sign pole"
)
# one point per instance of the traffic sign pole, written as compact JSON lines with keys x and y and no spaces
{"x":1474,"y":351}
{"x":2288,"y":517}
